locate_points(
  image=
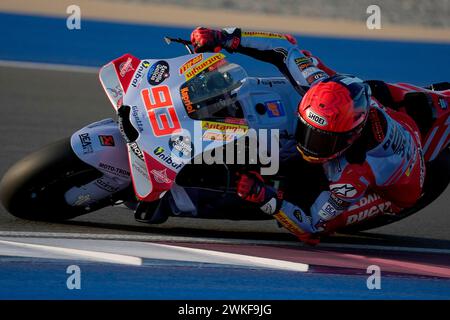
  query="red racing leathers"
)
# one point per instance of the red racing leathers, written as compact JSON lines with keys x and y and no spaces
{"x":382,"y":172}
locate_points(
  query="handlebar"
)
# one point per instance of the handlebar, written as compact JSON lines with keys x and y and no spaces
{"x":186,"y":43}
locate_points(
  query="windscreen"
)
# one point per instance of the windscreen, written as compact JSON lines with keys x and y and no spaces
{"x":212,"y":94}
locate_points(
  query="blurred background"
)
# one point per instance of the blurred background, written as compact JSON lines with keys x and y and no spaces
{"x":405,"y":12}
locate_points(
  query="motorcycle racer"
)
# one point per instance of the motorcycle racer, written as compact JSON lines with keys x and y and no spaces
{"x":364,"y":148}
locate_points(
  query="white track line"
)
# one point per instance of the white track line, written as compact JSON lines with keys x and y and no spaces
{"x":91,"y":255}
{"x":160,"y":238}
{"x":250,"y":260}
{"x":48,"y":66}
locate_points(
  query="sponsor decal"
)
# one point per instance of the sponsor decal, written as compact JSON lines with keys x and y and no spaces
{"x":317,"y":119}
{"x":443,"y":103}
{"x":186,"y":100}
{"x":195,"y":70}
{"x":260,"y":34}
{"x":106,"y":186}
{"x":377,"y":128}
{"x":106,"y":141}
{"x":190,"y":63}
{"x":364,"y":201}
{"x":160,"y":176}
{"x":116,"y":92}
{"x":235,"y":121}
{"x":298,"y":215}
{"x":217,"y":136}
{"x":137,"y":119}
{"x":161,"y":111}
{"x":136,"y":150}
{"x":113,"y":170}
{"x":338,"y":203}
{"x":317,"y":76}
{"x":141,"y":170}
{"x":220,"y":126}
{"x":400,"y":142}
{"x":140,"y":73}
{"x":302,"y":60}
{"x":218,"y":131}
{"x":383,"y":207}
{"x":422,"y":167}
{"x":411,"y":166}
{"x":272,"y":82}
{"x":159,"y":152}
{"x":274,"y":109}
{"x":82,"y":199}
{"x":305,"y":66}
{"x":288,"y":224}
{"x":345,"y":190}
{"x":270,"y":207}
{"x":181,"y":146}
{"x":86,"y":143}
{"x":309,"y":71}
{"x":327,"y":212}
{"x":158,"y":72}
{"x":126,"y":67}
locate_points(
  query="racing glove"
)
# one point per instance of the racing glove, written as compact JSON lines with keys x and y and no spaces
{"x":251,"y":187}
{"x":209,"y":40}
{"x":318,"y":63}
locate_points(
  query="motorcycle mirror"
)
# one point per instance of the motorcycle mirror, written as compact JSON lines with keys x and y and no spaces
{"x":186,"y":43}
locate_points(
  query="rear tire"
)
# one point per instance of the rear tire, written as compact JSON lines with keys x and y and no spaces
{"x":34,"y":187}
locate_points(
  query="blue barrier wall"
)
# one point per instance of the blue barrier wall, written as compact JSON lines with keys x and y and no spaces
{"x":44,"y":39}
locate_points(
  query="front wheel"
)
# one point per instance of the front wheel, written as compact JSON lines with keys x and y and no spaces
{"x":34,"y":187}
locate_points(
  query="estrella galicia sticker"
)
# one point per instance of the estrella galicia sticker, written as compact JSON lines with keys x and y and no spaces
{"x":158,"y":72}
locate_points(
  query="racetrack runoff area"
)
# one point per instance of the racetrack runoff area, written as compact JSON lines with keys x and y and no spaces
{"x":189,"y":258}
{"x":202,"y":268}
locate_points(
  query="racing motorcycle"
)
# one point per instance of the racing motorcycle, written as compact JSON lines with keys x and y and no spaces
{"x":172,"y":112}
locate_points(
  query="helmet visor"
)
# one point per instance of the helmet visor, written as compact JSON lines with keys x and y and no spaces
{"x":321,"y":144}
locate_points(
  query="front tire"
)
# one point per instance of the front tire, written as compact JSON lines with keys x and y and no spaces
{"x":34,"y":187}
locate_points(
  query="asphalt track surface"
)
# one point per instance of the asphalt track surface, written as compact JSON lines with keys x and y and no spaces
{"x":41,"y":106}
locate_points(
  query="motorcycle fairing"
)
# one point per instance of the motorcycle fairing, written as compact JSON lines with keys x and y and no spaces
{"x":159,"y":116}
{"x":101,"y":145}
{"x":116,"y":77}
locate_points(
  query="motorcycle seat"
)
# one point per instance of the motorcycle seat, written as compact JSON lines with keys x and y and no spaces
{"x":420,"y":107}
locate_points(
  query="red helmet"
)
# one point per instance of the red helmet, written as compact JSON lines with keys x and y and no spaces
{"x":332,"y":115}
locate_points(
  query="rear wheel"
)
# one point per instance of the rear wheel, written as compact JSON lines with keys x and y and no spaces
{"x":34,"y":187}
